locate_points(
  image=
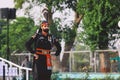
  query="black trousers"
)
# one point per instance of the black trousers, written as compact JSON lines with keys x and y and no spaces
{"x":40,"y":71}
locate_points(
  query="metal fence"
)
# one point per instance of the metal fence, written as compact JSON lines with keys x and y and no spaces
{"x":9,"y":70}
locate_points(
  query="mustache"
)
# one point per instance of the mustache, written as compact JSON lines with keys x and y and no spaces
{"x":46,"y":30}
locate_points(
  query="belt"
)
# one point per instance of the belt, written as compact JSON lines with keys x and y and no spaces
{"x":48,"y":56}
{"x":42,"y":51}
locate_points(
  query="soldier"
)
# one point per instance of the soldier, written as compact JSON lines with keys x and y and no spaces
{"x":43,"y":43}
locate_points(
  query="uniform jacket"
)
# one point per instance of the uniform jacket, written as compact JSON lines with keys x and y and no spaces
{"x":43,"y":42}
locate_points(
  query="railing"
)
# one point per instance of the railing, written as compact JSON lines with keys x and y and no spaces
{"x":18,"y":69}
{"x":12,"y":69}
{"x":93,"y":57}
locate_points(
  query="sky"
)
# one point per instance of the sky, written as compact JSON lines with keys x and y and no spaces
{"x":6,"y":4}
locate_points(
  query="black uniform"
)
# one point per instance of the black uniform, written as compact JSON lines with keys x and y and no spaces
{"x":41,"y":71}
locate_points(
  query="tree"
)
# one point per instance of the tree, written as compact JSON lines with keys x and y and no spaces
{"x":99,"y":24}
{"x":2,"y":35}
{"x":19,"y":31}
{"x":52,"y":6}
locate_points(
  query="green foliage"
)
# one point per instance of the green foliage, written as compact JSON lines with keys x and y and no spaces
{"x":109,"y":78}
{"x":20,"y":30}
{"x":49,"y":3}
{"x":69,"y":34}
{"x":57,"y":4}
{"x":71,"y":4}
{"x":18,"y":3}
{"x":55,"y":29}
{"x":100,"y":20}
{"x":2,"y":37}
{"x":53,"y":5}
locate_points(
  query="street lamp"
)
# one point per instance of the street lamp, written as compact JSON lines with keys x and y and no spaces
{"x":8,"y":13}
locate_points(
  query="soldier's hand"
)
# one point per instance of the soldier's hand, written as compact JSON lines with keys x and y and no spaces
{"x":34,"y":36}
{"x":36,"y":56}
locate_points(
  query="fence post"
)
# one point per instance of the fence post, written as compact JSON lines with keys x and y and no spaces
{"x":3,"y":72}
{"x":27,"y":75}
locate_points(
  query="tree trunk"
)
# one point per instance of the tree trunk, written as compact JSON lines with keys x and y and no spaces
{"x":65,"y":60}
{"x":55,"y":60}
{"x":104,"y":62}
{"x":104,"y":56}
{"x":68,"y":46}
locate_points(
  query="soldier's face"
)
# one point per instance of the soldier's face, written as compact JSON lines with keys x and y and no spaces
{"x":45,"y":27}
